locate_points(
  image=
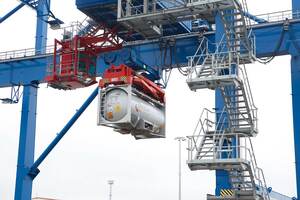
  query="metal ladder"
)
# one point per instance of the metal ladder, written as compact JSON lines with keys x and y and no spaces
{"x":211,"y":147}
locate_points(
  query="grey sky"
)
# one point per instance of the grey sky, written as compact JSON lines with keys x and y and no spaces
{"x":88,"y":156}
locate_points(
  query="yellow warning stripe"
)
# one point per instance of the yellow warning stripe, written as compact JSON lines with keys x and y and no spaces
{"x":226,"y":192}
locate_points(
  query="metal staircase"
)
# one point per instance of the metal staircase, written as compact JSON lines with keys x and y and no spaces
{"x":222,"y":68}
{"x":212,"y":147}
{"x":240,"y":107}
{"x":238,"y":33}
{"x":225,"y":143}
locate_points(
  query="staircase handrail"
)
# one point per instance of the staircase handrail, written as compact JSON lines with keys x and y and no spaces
{"x":205,"y":122}
{"x":249,"y":95}
{"x":200,"y":54}
{"x":249,"y":156}
{"x":199,"y":49}
{"x":257,"y":172}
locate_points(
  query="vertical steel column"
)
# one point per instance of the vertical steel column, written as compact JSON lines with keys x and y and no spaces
{"x":295,"y":65}
{"x":23,"y":189}
{"x":295,"y":70}
{"x":295,"y":76}
{"x":26,"y":143}
{"x":222,"y":176}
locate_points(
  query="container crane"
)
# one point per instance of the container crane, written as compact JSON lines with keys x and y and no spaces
{"x":216,"y":59}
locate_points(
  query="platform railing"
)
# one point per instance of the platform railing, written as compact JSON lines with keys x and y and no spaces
{"x":241,"y":152}
{"x":279,"y":16}
{"x":221,"y":59}
{"x":207,"y":125}
{"x":129,"y":8}
{"x":199,"y":58}
{"x":24,"y":53}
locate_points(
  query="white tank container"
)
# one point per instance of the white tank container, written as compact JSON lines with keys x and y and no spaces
{"x":129,"y":111}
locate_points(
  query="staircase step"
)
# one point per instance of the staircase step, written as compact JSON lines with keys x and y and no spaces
{"x":237,"y":107}
{"x":235,"y":95}
{"x":238,"y":113}
{"x":244,"y":125}
{"x":239,"y":26}
{"x":237,"y":102}
{"x":241,"y":176}
{"x":241,"y":181}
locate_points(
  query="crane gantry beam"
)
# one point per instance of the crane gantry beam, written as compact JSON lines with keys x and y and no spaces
{"x":16,"y":68}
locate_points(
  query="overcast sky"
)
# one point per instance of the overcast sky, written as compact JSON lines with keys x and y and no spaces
{"x":88,"y":156}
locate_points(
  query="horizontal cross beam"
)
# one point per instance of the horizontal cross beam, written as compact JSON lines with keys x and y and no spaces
{"x":284,"y":37}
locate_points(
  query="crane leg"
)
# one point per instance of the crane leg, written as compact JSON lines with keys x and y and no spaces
{"x":23,"y":188}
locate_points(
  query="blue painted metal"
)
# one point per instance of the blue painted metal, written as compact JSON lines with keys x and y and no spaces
{"x":23,"y":189}
{"x":42,"y":26}
{"x":295,"y":5}
{"x":254,"y":18}
{"x":27,"y":143}
{"x":94,"y":3}
{"x":10,"y":13}
{"x":105,"y":11}
{"x":34,"y":168}
{"x":24,"y":70}
{"x":222,"y":176}
{"x":31,"y":3}
{"x":295,"y":76}
{"x":54,"y":22}
{"x":295,"y":70}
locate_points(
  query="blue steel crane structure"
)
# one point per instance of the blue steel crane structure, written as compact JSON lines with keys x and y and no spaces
{"x":29,"y":68}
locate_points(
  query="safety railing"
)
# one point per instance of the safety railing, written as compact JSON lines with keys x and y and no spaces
{"x":222,"y":59}
{"x":75,"y":28}
{"x":70,"y":68}
{"x":23,"y":53}
{"x":207,"y":125}
{"x":79,"y":28}
{"x":279,"y":16}
{"x":132,"y":8}
{"x":235,"y":147}
{"x":86,"y":26}
{"x":249,"y":95}
{"x":199,"y":58}
{"x":244,"y":7}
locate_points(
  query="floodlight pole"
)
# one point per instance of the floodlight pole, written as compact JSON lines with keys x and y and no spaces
{"x":110,"y":182}
{"x":179,"y":139}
